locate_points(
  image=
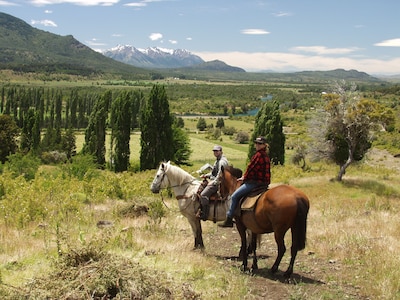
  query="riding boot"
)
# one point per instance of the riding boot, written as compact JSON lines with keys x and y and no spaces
{"x":227,"y":223}
{"x":204,"y":212}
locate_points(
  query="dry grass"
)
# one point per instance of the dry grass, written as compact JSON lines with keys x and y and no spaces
{"x":352,"y":249}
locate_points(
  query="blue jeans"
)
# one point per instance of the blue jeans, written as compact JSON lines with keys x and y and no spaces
{"x":242,"y":191}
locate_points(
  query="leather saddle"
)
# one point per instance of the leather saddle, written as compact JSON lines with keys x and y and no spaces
{"x":248,"y":202}
{"x":214,"y":197}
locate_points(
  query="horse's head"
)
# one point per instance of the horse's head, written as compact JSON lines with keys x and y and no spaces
{"x":160,"y":180}
{"x":229,"y":180}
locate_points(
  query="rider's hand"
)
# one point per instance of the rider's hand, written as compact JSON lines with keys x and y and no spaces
{"x":240,"y":179}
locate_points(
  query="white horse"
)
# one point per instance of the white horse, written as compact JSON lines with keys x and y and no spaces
{"x":185,"y":188}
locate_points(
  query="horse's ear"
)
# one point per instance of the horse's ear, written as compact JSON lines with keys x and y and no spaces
{"x":163,"y":164}
{"x":222,"y":168}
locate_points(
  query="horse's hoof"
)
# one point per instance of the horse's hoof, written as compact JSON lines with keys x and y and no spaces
{"x":198,"y":248}
{"x":253,"y":271}
{"x":274,"y":269}
{"x":287,"y":275}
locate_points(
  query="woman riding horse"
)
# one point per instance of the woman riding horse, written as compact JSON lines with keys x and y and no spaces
{"x":257,"y":174}
{"x":277,"y":210}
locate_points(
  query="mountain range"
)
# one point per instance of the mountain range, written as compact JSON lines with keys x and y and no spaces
{"x":153,"y":57}
{"x":24,"y":48}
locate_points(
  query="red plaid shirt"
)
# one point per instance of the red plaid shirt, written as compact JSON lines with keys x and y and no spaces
{"x":258,"y":169}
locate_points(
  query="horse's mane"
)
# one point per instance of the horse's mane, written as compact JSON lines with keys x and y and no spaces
{"x":181,"y":175}
{"x":234,"y":171}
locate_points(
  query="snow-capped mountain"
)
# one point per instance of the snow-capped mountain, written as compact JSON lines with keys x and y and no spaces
{"x":153,"y":57}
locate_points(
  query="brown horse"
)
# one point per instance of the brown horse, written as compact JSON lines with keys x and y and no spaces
{"x":277,"y":210}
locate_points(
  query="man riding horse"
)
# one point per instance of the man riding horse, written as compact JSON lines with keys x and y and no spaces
{"x":213,"y":184}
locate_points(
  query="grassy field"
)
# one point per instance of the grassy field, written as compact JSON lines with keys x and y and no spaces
{"x":352,"y":249}
{"x":200,"y":145}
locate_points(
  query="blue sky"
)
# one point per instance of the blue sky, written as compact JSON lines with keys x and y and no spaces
{"x":278,"y":35}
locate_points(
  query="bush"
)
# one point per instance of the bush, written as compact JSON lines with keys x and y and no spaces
{"x":229,"y":130}
{"x":25,"y":165}
{"x":80,"y":166}
{"x":214,"y":134}
{"x":242,"y":137}
{"x":54,"y":157}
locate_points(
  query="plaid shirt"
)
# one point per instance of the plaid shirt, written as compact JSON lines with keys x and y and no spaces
{"x":258,"y":169}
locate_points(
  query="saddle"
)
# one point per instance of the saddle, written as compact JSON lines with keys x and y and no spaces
{"x":248,"y":202}
{"x":214,"y":197}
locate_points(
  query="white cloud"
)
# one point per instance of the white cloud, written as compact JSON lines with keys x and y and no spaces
{"x":254,"y":31}
{"x":94,"y":42}
{"x":188,"y":38}
{"x":7,"y":3}
{"x":76,"y":2}
{"x":47,"y":23}
{"x":155,"y":36}
{"x":173,"y":42}
{"x":282,"y":14}
{"x":48,"y":11}
{"x":289,"y":62}
{"x":322,"y":50}
{"x":135,"y":4}
{"x":389,"y":43}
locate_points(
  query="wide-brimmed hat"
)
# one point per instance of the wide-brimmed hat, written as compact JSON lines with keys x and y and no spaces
{"x":217,"y":148}
{"x":260,"y":140}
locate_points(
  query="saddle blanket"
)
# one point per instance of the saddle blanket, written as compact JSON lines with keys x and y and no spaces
{"x":249,"y":202}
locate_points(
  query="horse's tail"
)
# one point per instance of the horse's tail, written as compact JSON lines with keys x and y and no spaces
{"x":300,"y":228}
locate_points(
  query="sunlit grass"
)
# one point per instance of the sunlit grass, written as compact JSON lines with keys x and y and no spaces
{"x":353,"y":228}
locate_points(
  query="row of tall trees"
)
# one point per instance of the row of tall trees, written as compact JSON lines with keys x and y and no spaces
{"x":162,"y":137}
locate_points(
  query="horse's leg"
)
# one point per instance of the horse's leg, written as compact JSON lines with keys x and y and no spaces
{"x":254,"y":248}
{"x":280,"y":242}
{"x":197,"y":232}
{"x":243,"y":248}
{"x":293,"y":253}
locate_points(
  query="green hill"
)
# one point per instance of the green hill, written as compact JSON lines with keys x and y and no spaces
{"x":26,"y":49}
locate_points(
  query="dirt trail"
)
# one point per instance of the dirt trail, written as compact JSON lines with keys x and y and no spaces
{"x":307,"y":281}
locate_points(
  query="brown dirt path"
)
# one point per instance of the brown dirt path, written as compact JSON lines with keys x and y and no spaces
{"x":307,"y":282}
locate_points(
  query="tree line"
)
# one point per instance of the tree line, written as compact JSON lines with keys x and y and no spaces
{"x":42,"y":122}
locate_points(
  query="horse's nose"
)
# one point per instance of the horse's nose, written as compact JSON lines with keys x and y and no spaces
{"x":154,"y":190}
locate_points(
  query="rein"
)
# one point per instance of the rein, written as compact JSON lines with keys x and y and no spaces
{"x":179,"y":197}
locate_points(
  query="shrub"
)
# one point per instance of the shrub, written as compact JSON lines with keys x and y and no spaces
{"x":229,"y":130}
{"x":242,"y":137}
{"x":214,"y":134}
{"x":25,"y":165}
{"x":80,"y":166}
{"x":53,"y":157}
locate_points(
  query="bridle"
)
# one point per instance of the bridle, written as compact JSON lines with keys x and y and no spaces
{"x":164,"y":173}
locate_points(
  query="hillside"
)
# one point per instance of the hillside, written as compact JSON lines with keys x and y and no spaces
{"x":24,"y":48}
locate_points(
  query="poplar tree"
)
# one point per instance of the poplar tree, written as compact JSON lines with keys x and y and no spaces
{"x":268,"y":123}
{"x":120,"y":131}
{"x":95,"y":133}
{"x":27,"y":131}
{"x":73,"y":108}
{"x":8,"y":137}
{"x":156,"y":130}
